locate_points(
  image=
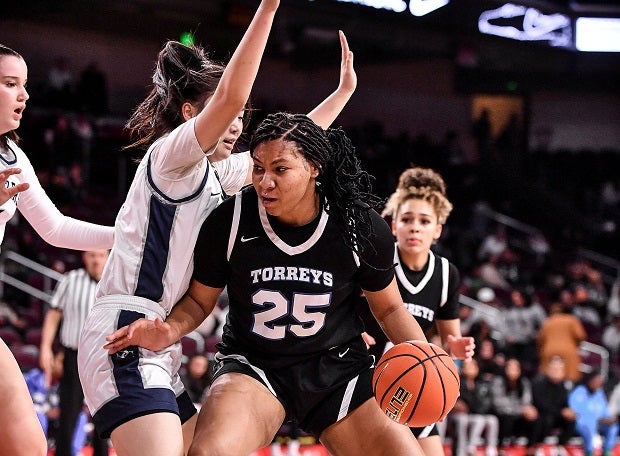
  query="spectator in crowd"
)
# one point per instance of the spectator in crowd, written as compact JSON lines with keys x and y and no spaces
{"x":487,"y":320}
{"x":523,"y":319}
{"x":92,"y":90}
{"x":611,"y":338}
{"x":60,"y":82}
{"x":613,"y":304}
{"x":491,"y":274}
{"x":71,"y":302}
{"x":614,"y":401}
{"x":43,"y":388}
{"x":512,"y":402}
{"x":583,"y":309}
{"x":593,"y":415}
{"x":8,"y":317}
{"x":560,"y":335}
{"x":495,"y":244}
{"x":473,"y":412}
{"x":197,"y":377}
{"x":550,"y":397}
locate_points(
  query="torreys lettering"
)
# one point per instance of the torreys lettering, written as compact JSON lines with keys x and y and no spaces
{"x":292,"y":274}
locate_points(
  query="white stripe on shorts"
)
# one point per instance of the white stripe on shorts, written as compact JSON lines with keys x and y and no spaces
{"x":244,"y":360}
{"x":346,"y":400}
{"x":426,"y":431}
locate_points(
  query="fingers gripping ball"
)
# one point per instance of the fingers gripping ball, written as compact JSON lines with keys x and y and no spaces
{"x":416,"y":383}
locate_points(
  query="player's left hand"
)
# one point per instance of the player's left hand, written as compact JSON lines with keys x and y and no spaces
{"x":153,"y":335}
{"x":368,"y":339}
{"x":461,"y":347}
{"x":348,"y":77}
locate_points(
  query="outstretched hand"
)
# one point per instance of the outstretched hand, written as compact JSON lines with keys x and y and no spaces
{"x":153,"y":335}
{"x":6,"y":193}
{"x":461,"y":347}
{"x":348,"y":78}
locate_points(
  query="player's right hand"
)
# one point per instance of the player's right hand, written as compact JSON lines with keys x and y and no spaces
{"x":6,"y":193}
{"x":153,"y":335}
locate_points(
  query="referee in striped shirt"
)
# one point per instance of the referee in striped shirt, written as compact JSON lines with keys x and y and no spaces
{"x":73,"y":298}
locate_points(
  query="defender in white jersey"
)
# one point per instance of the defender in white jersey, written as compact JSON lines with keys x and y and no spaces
{"x":136,"y":396}
{"x":17,"y":415}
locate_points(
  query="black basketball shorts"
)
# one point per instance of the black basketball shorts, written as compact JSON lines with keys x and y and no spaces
{"x":318,"y":391}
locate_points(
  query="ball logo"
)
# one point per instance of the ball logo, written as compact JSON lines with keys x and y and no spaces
{"x":398,"y":403}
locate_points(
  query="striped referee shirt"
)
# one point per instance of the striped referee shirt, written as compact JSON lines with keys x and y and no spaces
{"x":74,"y":296}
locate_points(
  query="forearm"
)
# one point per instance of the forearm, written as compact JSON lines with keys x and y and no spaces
{"x":49,"y":328}
{"x":185,"y":316}
{"x":192,"y":309}
{"x":59,"y":230}
{"x":236,"y":83}
{"x":329,"y":109}
{"x":400,"y":326}
{"x":392,"y":315}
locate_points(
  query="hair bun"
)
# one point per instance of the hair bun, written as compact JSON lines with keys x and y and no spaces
{"x":422,"y":177}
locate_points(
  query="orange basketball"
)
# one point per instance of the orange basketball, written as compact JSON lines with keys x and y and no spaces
{"x":416,"y":383}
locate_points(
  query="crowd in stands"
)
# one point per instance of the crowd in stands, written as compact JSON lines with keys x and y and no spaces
{"x":523,"y":255}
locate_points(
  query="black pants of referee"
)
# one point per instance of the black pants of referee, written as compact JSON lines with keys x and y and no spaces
{"x":71,"y":403}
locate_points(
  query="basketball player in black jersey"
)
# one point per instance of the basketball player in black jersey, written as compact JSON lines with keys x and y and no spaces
{"x":428,"y":283}
{"x":294,"y":250}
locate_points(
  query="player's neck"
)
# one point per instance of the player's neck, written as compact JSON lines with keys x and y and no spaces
{"x":414,"y":261}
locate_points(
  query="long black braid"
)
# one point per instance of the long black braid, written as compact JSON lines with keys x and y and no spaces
{"x":344,"y":187}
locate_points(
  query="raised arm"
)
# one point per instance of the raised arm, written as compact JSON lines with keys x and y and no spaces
{"x":186,"y":315}
{"x":327,"y":111}
{"x":234,"y":88}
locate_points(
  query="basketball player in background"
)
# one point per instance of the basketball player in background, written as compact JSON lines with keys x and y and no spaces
{"x":20,"y":430}
{"x":292,"y":250}
{"x":192,"y":117}
{"x":428,"y":283}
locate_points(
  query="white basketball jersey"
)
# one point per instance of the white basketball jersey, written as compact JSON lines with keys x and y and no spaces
{"x":173,"y":191}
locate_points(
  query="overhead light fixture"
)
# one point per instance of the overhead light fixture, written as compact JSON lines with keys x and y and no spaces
{"x":423,"y":7}
{"x":524,"y":23}
{"x":597,"y":34}
{"x":416,"y":7}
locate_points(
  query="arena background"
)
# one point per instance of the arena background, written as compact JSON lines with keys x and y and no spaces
{"x":420,"y":79}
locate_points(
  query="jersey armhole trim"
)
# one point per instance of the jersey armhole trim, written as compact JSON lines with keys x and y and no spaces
{"x":235,"y":224}
{"x":445,"y":270}
{"x":165,"y":197}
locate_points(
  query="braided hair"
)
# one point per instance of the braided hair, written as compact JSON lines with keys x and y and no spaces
{"x":343,"y":186}
{"x":12,"y":135}
{"x":183,"y":74}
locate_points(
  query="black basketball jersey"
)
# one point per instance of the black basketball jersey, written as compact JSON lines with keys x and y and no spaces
{"x":291,"y":290}
{"x":432,"y":293}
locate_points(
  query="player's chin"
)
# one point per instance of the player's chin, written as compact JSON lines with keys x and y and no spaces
{"x":221,"y":153}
